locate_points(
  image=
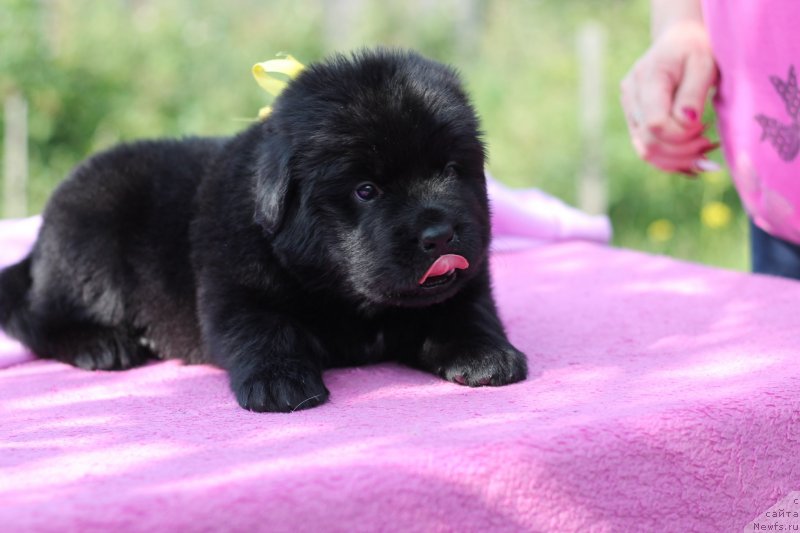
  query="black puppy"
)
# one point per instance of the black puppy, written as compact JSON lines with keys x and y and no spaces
{"x":349,"y":227}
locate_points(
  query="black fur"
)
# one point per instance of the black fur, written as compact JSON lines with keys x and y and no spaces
{"x":255,"y":253}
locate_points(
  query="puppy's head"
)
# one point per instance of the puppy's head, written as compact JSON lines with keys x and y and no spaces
{"x":370,"y":179}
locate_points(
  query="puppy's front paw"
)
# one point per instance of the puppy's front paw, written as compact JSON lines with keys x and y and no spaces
{"x":487,"y":365}
{"x":281,"y":390}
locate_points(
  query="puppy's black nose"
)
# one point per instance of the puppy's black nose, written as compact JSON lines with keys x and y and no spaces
{"x":435,"y":239}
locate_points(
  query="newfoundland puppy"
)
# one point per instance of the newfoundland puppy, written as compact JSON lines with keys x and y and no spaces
{"x":349,"y":227}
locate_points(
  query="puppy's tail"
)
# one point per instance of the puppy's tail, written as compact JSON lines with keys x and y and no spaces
{"x":15,"y":314}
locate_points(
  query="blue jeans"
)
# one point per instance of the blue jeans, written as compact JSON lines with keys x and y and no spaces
{"x":771,"y":255}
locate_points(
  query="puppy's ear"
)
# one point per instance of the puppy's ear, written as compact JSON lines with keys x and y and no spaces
{"x":272,"y":182}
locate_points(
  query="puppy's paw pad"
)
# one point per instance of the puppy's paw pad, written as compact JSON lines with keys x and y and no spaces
{"x":268,"y":392}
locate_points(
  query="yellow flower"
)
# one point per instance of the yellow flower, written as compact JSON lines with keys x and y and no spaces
{"x":715,"y":215}
{"x":265,"y":75}
{"x":661,"y":230}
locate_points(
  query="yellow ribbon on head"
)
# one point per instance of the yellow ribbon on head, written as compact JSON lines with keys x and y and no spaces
{"x":265,"y":74}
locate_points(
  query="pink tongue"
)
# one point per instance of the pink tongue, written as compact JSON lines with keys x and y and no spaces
{"x":445,"y":265}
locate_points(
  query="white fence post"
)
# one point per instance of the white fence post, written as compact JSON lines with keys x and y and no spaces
{"x":341,"y":23}
{"x":592,"y":180}
{"x":15,"y":157}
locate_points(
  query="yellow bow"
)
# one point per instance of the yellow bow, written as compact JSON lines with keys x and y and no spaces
{"x":265,"y":72}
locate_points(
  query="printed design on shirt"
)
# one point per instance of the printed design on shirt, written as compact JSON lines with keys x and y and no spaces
{"x":784,"y":137}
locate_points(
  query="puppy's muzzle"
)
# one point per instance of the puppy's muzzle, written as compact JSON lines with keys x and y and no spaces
{"x":437,"y":241}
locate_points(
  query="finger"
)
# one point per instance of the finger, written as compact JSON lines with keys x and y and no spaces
{"x":700,"y":73}
{"x":683,"y":163}
{"x":652,"y":147}
{"x":649,"y":144}
{"x":684,"y":166}
{"x":655,"y":103}
{"x":654,"y":99}
{"x":628,"y":100}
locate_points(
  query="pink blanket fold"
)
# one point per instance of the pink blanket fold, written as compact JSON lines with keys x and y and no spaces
{"x":524,"y":218}
{"x":668,"y":399}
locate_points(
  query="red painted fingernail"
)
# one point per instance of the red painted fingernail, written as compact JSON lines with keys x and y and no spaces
{"x":690,"y":113}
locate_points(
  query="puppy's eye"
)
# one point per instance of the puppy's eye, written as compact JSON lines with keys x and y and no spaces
{"x":367,"y":192}
{"x":451,"y":170}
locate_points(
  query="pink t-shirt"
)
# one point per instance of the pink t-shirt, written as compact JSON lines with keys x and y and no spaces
{"x":757,"y":48}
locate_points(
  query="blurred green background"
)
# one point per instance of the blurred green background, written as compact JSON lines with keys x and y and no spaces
{"x":98,"y":72}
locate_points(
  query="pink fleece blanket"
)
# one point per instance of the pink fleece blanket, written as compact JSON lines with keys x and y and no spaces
{"x":667,"y":399}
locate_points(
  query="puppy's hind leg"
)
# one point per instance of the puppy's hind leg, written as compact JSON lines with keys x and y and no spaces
{"x":73,"y":337}
{"x":96,"y":347}
{"x":55,"y":326}
{"x":82,"y":322}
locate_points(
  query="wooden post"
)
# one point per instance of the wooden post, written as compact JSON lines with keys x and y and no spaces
{"x":15,"y":157}
{"x":469,"y":26}
{"x":466,"y":17}
{"x":341,"y":23}
{"x":592,"y":181}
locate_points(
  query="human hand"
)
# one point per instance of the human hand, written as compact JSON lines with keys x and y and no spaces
{"x":663,"y":96}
